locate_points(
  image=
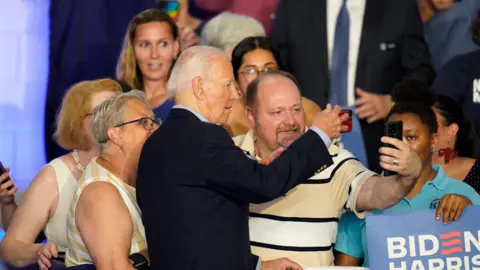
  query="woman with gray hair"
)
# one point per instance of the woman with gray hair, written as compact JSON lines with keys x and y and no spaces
{"x":227,"y":29}
{"x":104,"y":222}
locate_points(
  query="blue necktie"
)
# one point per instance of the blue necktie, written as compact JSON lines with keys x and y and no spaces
{"x":339,"y":70}
{"x":352,"y":141}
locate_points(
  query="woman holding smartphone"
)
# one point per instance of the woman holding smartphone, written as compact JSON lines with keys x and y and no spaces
{"x":47,"y":200}
{"x":150,"y":48}
{"x":433,"y":189}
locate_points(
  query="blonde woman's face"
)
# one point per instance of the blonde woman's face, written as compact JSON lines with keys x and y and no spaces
{"x":155,"y":50}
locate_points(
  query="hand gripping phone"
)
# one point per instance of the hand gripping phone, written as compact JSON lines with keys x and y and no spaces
{"x":347,"y":122}
{"x":394,"y":130}
{"x":2,"y":171}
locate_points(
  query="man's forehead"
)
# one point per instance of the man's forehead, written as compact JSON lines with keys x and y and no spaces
{"x":269,"y":90}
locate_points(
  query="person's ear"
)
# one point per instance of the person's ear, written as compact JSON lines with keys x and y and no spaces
{"x":452,"y":131}
{"x":250,"y":117}
{"x":115,"y":136}
{"x":198,"y":86}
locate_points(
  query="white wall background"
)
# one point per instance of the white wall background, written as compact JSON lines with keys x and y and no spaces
{"x":24,"y":34}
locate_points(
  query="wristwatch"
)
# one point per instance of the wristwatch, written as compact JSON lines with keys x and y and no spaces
{"x":138,"y":261}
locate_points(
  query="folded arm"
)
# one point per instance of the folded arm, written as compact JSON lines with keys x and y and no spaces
{"x":243,"y":178}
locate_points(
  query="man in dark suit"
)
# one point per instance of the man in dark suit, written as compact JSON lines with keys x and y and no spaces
{"x":194,"y":185}
{"x":352,"y":53}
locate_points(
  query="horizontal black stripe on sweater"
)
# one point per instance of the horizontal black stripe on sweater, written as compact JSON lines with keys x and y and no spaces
{"x":289,"y":248}
{"x":293,"y":219}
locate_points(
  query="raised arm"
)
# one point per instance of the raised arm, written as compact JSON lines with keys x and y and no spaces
{"x":239,"y":176}
{"x":31,"y":217}
{"x":104,"y":223}
{"x":382,"y":192}
{"x":243,"y":178}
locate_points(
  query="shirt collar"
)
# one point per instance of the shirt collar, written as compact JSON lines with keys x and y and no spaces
{"x":248,"y":144}
{"x":440,"y":181}
{"x":197,"y":114}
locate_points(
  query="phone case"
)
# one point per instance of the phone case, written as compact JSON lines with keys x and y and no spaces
{"x":394,"y":130}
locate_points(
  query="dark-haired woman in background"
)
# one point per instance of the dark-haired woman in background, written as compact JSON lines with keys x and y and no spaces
{"x":251,"y":57}
{"x":413,"y":107}
{"x":150,"y":48}
{"x":456,"y":140}
{"x":460,"y":80}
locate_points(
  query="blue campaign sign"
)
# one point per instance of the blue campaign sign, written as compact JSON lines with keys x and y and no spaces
{"x":416,"y":241}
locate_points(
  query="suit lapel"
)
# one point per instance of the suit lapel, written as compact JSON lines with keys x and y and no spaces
{"x":371,"y":23}
{"x":318,"y":8}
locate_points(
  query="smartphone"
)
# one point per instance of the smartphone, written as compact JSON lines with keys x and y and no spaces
{"x":2,"y":171}
{"x":347,"y":122}
{"x":394,"y":130}
{"x":169,"y":7}
{"x":60,"y":258}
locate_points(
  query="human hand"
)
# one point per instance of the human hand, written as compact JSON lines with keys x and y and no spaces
{"x":45,"y":253}
{"x":273,"y":155}
{"x":330,"y":122}
{"x":451,"y":206}
{"x":371,"y":106}
{"x":280,"y":264}
{"x":7,"y":196}
{"x":187,"y":37}
{"x":402,"y":159}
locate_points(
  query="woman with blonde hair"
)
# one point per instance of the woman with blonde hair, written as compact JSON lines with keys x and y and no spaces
{"x":149,"y":50}
{"x":46,"y":201}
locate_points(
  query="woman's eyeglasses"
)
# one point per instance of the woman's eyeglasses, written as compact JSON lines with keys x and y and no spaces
{"x":146,"y":122}
{"x":251,"y":74}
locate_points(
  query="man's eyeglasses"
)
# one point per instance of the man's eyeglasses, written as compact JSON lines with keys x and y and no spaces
{"x":146,"y":122}
{"x":252,"y":73}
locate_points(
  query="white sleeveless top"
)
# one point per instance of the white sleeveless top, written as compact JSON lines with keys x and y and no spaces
{"x":56,"y":229}
{"x":77,"y":252}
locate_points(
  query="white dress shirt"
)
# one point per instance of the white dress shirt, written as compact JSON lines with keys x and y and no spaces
{"x":356,"y":11}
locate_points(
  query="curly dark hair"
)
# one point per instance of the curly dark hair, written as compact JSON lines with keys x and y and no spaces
{"x":476,"y":29}
{"x":414,"y":96}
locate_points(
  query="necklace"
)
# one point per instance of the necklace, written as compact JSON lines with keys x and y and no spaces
{"x":77,"y":160}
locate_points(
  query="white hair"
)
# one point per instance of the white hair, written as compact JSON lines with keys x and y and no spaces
{"x":192,"y":62}
{"x":227,"y":29}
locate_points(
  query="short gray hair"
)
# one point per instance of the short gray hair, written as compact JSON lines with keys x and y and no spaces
{"x":110,"y":113}
{"x":227,"y":29}
{"x":192,"y":62}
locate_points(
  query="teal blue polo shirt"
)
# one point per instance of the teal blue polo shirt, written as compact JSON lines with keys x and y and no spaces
{"x":352,"y":236}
